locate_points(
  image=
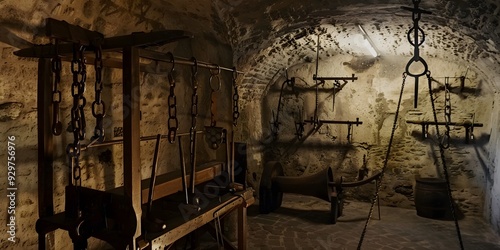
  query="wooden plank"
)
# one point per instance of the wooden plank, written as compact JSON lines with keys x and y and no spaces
{"x":180,"y":230}
{"x":131,"y":133}
{"x":166,"y":185}
{"x":242,"y":228}
{"x":138,"y":39}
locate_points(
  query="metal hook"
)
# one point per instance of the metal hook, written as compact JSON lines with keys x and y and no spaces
{"x":194,"y":68}
{"x":171,"y":57}
{"x":216,"y":76}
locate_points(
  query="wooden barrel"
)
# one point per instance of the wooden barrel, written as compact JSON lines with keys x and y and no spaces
{"x":431,"y":198}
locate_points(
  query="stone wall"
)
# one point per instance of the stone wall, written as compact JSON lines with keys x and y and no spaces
{"x":373,"y":99}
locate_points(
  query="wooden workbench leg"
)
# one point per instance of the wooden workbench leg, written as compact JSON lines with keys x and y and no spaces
{"x":45,"y":147}
{"x":131,"y":135}
{"x":242,"y":228}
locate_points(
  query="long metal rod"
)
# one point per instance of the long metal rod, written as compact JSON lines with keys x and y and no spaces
{"x":357,"y":122}
{"x":193,"y":165}
{"x":347,"y":78}
{"x":120,"y":141}
{"x":183,"y":170}
{"x":152,"y":180}
{"x":162,"y":57}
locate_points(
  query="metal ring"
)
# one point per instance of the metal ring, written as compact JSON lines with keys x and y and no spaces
{"x":218,"y":83}
{"x":410,"y":33}
{"x":426,"y":68}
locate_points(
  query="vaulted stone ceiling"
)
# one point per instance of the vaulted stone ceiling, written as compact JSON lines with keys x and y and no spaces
{"x":268,"y":37}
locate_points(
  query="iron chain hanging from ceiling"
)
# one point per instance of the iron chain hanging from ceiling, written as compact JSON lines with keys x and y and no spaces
{"x":56,"y":93}
{"x":98,"y":88}
{"x":173,"y":122}
{"x":236,"y":97}
{"x":79,"y":72}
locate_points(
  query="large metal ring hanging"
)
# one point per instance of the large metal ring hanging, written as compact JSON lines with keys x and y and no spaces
{"x":419,"y":59}
{"x":214,"y":73}
{"x":419,"y":30}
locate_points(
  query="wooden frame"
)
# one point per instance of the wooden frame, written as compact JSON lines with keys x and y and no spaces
{"x":132,"y":190}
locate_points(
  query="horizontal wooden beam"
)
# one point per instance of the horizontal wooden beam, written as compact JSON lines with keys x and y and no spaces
{"x":463,"y":124}
{"x":138,"y":39}
{"x":357,"y":122}
{"x":171,"y":183}
{"x":227,"y":204}
{"x":335,"y":78}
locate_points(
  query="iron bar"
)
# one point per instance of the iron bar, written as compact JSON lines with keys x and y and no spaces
{"x":93,"y":144}
{"x":335,"y":78}
{"x":357,"y":122}
{"x":162,"y":57}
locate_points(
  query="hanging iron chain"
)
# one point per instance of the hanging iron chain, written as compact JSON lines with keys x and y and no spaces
{"x":78,"y":69}
{"x":194,"y":109}
{"x":386,"y":160}
{"x":56,"y":93}
{"x":445,"y":141}
{"x":214,"y":77}
{"x":98,"y":102}
{"x":173,"y":122}
{"x":236,"y":97}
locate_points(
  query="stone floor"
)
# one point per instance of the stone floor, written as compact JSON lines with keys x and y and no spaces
{"x":301,"y":223}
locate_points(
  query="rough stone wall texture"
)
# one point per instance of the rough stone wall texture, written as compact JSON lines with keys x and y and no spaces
{"x":373,"y":99}
{"x":22,"y":23}
{"x":266,"y":37}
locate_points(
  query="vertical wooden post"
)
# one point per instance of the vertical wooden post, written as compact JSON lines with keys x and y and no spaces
{"x":45,"y":147}
{"x":242,"y":227}
{"x":131,"y":134}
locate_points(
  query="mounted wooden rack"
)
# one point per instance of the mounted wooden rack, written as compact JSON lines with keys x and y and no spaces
{"x":116,"y":215}
{"x":469,"y":127}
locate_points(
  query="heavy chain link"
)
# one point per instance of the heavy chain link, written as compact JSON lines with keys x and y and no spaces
{"x":98,"y":103}
{"x":214,"y":77}
{"x":445,"y":141}
{"x":173,"y":122}
{"x":78,"y":69}
{"x":194,"y":110}
{"x":236,"y":97}
{"x":386,"y":160}
{"x":56,"y":93}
